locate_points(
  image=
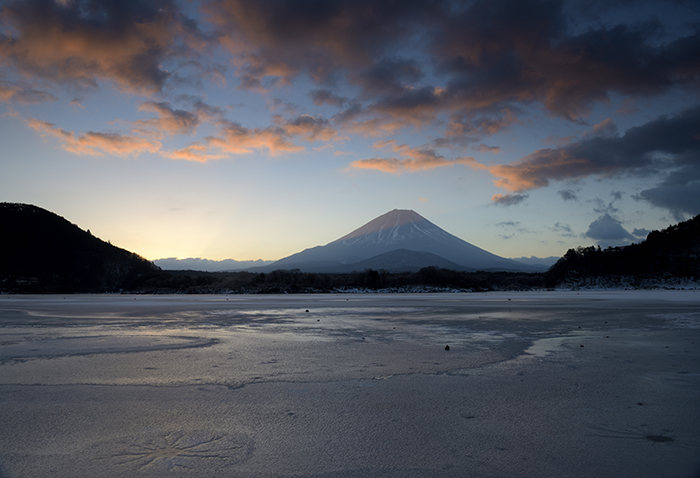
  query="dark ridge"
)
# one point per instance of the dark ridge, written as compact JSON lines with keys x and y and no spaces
{"x":41,"y":252}
{"x":670,"y":254}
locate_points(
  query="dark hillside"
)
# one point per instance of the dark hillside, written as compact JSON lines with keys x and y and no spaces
{"x":671,"y":253}
{"x":44,"y":253}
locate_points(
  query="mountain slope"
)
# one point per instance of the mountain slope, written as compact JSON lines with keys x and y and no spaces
{"x":673,"y":252}
{"x":42,"y":252}
{"x":397,"y":229}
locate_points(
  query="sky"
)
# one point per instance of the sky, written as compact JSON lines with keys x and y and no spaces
{"x":254,"y":129}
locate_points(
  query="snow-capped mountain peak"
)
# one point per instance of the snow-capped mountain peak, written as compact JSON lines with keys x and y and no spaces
{"x":395,"y":227}
{"x":400,"y":229}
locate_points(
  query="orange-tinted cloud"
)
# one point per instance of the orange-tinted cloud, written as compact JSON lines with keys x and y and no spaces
{"x":666,"y":143}
{"x":196,"y":152}
{"x":482,"y":148}
{"x":539,"y":168}
{"x":488,"y":55}
{"x":80,"y":42}
{"x":414,"y":160}
{"x":278,"y":40}
{"x":236,"y":139}
{"x":13,"y":92}
{"x":278,"y":139}
{"x":169,"y":121}
{"x":309,"y":128}
{"x":97,"y":144}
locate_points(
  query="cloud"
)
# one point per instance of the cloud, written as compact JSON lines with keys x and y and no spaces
{"x":508,"y":223}
{"x":274,"y":41}
{"x":568,"y":195}
{"x":466,"y":126}
{"x":563,"y":230}
{"x":478,"y":63}
{"x":414,"y":159}
{"x":81,"y":42}
{"x":468,"y":69}
{"x":389,"y":76}
{"x":538,"y":169}
{"x":169,"y":121}
{"x":237,"y":139}
{"x":97,"y":144}
{"x":286,"y":106}
{"x":508,"y":199}
{"x":668,"y":143}
{"x":679,"y":192}
{"x":323,"y":96}
{"x":234,"y":138}
{"x":12,"y":92}
{"x":195,"y":152}
{"x":608,"y":231}
{"x":309,"y":128}
{"x":606,"y":128}
{"x":487,"y":149}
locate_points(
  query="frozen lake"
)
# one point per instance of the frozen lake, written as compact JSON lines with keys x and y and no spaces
{"x":534,"y":384}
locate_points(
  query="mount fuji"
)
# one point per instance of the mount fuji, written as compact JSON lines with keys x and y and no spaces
{"x":400,"y":240}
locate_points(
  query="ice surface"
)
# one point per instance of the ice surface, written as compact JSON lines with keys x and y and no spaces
{"x":535,"y":384}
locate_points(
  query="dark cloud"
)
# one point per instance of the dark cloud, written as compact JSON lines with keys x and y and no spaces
{"x":83,"y":41}
{"x":484,"y":55}
{"x":678,"y":193}
{"x":563,"y":230}
{"x":514,"y":228}
{"x":207,"y":112}
{"x":389,"y":76}
{"x":508,"y":224}
{"x":471,"y":69}
{"x":169,"y":121}
{"x":668,"y":143}
{"x":414,"y":106}
{"x":281,"y":39}
{"x":603,"y":207}
{"x":479,"y":63}
{"x":608,"y":231}
{"x":483,"y":148}
{"x":640,"y":232}
{"x":568,"y":195}
{"x":606,"y":127}
{"x":522,"y":51}
{"x":15,"y":92}
{"x":287,"y":107}
{"x":508,"y":199}
{"x":616,"y":195}
{"x":322,"y":96}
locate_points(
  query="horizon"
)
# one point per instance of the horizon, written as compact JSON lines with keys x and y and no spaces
{"x":245,"y":130}
{"x":213,"y":265}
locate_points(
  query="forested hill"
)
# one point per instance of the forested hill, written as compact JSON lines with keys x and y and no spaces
{"x":670,"y":254}
{"x":43,"y":252}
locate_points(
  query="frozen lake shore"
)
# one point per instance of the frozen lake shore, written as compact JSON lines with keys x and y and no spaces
{"x":534,"y":384}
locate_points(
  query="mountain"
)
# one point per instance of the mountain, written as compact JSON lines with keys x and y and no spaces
{"x":397,"y":230}
{"x":542,"y":262}
{"x":402,"y":260}
{"x":196,"y":264}
{"x":43,"y":252}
